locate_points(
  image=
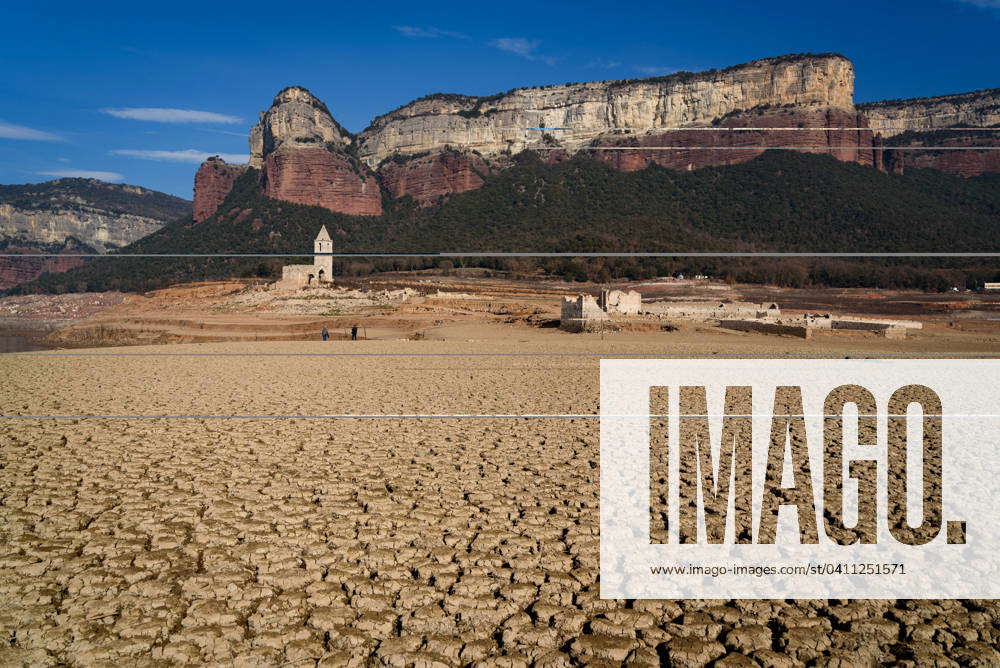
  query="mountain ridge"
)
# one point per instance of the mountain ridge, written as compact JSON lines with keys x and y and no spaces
{"x":73,"y":215}
{"x":780,"y":201}
{"x":442,"y":144}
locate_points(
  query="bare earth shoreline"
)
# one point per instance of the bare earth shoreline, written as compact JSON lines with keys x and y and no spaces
{"x":418,"y":541}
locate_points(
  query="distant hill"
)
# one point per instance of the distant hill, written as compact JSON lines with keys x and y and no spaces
{"x":70,"y":216}
{"x":86,"y":194}
{"x":780,"y":201}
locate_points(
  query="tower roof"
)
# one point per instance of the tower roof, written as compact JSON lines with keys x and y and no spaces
{"x":323,"y":234}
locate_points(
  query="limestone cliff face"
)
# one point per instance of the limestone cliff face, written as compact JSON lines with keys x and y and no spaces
{"x":303,"y":156}
{"x":441,"y":144}
{"x":497,"y":124}
{"x":923,"y":122}
{"x":296,"y":119}
{"x":98,"y":214}
{"x":979,"y":108}
{"x":97,"y":228}
{"x":73,"y":216}
{"x":212,"y":182}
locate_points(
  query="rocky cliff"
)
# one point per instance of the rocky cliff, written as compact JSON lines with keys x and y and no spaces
{"x":952,"y":151}
{"x":428,"y":177}
{"x":979,"y":108}
{"x":15,"y":270}
{"x":500,"y":124}
{"x":98,"y":214}
{"x":74,"y":215}
{"x":212,"y":182}
{"x":728,"y":144}
{"x":444,"y":144}
{"x":93,"y":226}
{"x":304,"y":156}
{"x":937,"y":121}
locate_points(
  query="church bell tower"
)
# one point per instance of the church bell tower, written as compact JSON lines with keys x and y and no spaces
{"x":323,"y":264}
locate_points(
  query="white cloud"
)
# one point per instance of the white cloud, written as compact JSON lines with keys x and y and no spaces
{"x":428,"y":33}
{"x":522,"y":46}
{"x":11,"y":131}
{"x":188,"y":155}
{"x":83,"y":174}
{"x":655,"y":70}
{"x":162,"y":115}
{"x":519,"y":45}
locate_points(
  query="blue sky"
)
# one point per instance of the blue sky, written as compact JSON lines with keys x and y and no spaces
{"x":139,"y":92}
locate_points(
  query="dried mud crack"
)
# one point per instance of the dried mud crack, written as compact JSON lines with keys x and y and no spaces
{"x":397,"y":542}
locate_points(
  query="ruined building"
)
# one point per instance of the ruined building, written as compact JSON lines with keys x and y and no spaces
{"x":621,"y":302}
{"x":584,"y":313}
{"x":294,"y":276}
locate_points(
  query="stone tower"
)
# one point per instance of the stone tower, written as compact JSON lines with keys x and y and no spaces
{"x":323,"y":264}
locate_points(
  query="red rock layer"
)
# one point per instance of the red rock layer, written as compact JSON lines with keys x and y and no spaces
{"x":14,"y":270}
{"x":318,"y":177}
{"x":429,"y":177}
{"x":961,"y":163}
{"x":842,"y":144}
{"x":212,"y":183}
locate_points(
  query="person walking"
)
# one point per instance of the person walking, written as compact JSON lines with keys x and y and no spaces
{"x":325,"y":334}
{"x":354,"y":333}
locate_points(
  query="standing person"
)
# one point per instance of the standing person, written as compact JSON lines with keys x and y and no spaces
{"x":354,"y":333}
{"x":325,"y":334}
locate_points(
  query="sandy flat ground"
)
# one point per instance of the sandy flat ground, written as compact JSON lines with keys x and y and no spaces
{"x":415,"y":541}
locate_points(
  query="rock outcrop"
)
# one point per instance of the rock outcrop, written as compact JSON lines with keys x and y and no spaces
{"x":304,"y":157}
{"x":500,"y":124}
{"x":212,"y":182}
{"x":15,"y":270}
{"x":735,"y":146}
{"x":95,"y":227}
{"x":98,"y":214}
{"x":68,"y":216}
{"x":965,"y":163}
{"x":443,"y":144}
{"x":938,"y":121}
{"x":426,"y":178}
{"x":323,"y":178}
{"x":979,"y":108}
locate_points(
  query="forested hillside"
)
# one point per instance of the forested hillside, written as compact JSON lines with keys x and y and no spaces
{"x":781,"y":201}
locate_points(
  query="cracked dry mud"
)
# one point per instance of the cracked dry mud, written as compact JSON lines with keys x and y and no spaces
{"x":398,"y":542}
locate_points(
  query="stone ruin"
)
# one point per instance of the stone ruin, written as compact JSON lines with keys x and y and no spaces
{"x":714,"y":310}
{"x":585,"y":313}
{"x":320,"y":272}
{"x":581,"y":314}
{"x":804,"y":325}
{"x":621,"y":302}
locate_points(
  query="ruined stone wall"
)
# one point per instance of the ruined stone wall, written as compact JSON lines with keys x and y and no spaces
{"x":802,"y":331}
{"x":297,"y":275}
{"x":714,"y":310}
{"x":581,"y":314}
{"x":619,"y":301}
